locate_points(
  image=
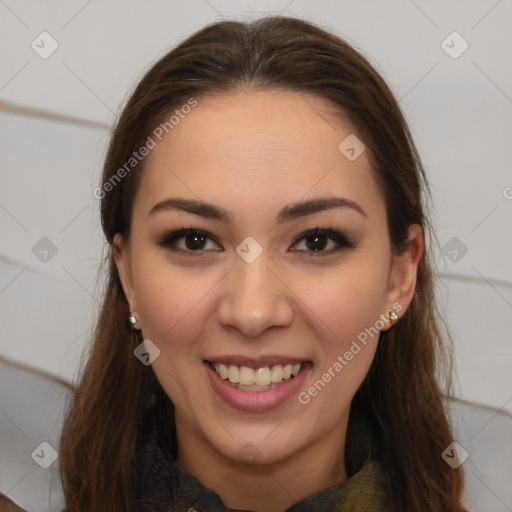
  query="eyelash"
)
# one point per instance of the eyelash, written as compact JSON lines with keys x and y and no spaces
{"x":343,"y":241}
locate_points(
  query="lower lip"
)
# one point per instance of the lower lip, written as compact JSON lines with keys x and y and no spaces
{"x":255,"y":401}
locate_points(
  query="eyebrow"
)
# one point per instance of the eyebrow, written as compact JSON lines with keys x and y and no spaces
{"x":286,"y":214}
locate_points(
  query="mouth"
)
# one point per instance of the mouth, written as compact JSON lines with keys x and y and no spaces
{"x":259,"y":378}
{"x":256,"y":385}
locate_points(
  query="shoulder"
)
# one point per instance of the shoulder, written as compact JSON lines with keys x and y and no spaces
{"x":366,"y":491}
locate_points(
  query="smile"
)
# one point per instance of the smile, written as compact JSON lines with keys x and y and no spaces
{"x":256,"y":385}
{"x":257,"y":379}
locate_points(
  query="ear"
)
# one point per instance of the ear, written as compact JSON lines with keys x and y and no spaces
{"x":403,"y":272}
{"x":121,"y":255}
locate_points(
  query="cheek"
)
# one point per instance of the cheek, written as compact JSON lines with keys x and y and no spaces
{"x":343,"y":315}
{"x":170,"y":300}
{"x":174,"y":305}
{"x":346,"y":301}
{"x":344,"y":312}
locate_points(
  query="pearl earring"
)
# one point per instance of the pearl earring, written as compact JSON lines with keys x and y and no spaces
{"x":132,"y":319}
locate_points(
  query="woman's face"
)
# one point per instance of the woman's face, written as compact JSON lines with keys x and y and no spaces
{"x":286,"y":267}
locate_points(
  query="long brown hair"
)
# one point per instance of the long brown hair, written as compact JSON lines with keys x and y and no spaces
{"x":397,"y":416}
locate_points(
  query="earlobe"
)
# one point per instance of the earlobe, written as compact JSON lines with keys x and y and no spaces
{"x":121,"y":257}
{"x":403,"y":273}
{"x":133,"y":320}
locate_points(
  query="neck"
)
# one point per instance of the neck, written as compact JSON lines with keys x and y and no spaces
{"x":270,"y":487}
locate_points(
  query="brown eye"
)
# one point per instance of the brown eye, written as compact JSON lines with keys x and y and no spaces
{"x":321,"y":242}
{"x":195,"y":241}
{"x":316,"y":242}
{"x":189,"y":241}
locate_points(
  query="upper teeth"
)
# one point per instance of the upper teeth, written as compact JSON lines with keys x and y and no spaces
{"x":261,"y":376}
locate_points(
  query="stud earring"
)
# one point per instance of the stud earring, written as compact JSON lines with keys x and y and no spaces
{"x":132,"y":319}
{"x":393,"y":317}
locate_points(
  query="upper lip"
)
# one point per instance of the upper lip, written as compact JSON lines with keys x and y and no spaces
{"x":256,"y":362}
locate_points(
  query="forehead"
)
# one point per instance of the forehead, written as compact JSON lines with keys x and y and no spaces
{"x":257,"y":145}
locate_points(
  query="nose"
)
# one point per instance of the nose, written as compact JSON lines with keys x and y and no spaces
{"x":254,"y":298}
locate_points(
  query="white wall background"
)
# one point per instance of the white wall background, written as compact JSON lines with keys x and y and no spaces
{"x":55,"y":115}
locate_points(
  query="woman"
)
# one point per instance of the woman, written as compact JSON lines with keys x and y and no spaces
{"x":269,"y":338}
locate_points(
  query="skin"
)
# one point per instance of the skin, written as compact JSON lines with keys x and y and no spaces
{"x":252,"y":153}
